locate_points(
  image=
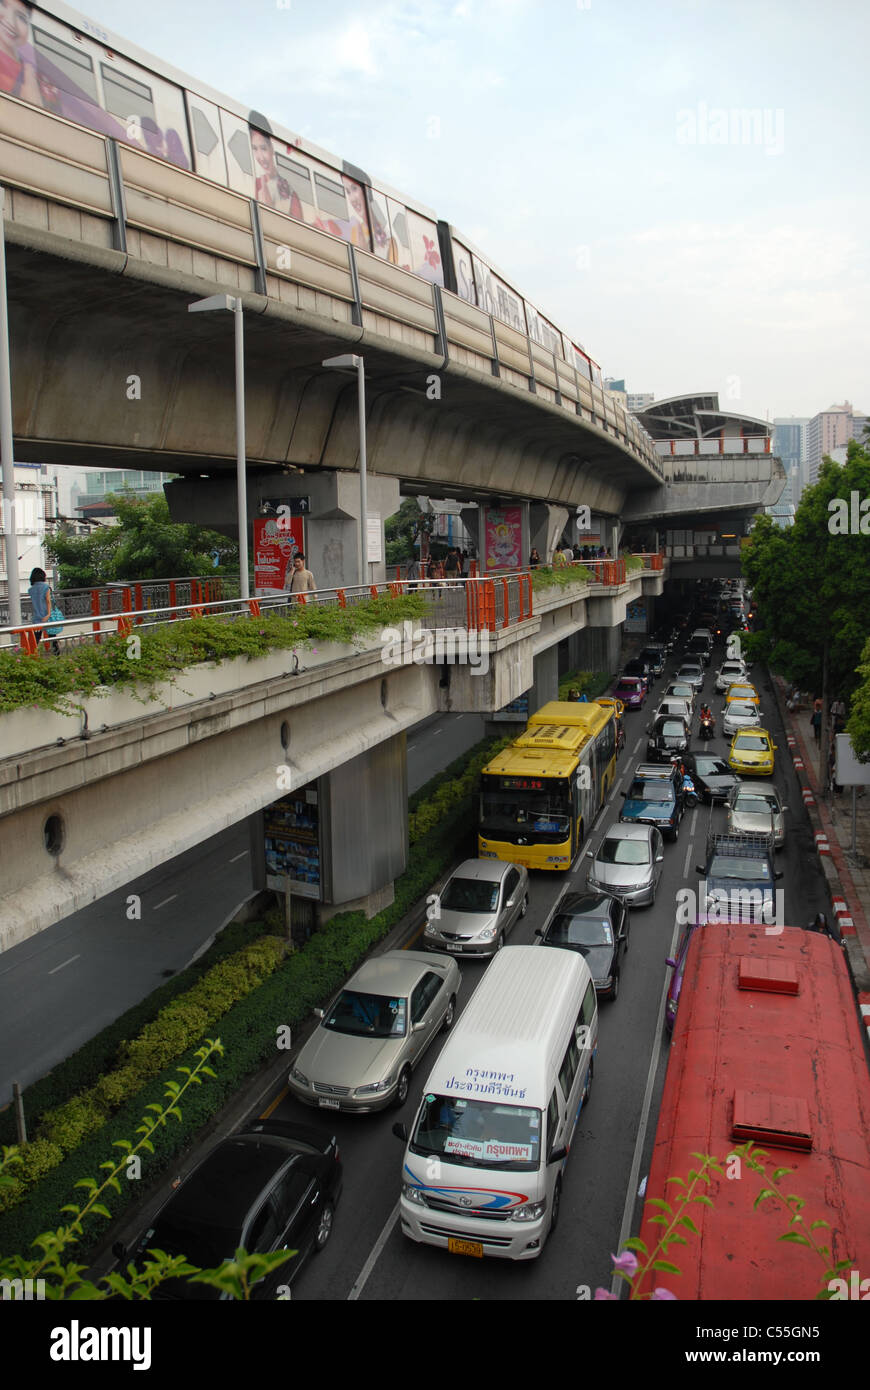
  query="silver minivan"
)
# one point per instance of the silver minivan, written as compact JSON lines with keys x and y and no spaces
{"x":477,"y":908}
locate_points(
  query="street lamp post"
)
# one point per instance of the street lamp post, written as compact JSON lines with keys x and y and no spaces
{"x":228,"y":301}
{"x":7,"y":452}
{"x":345,"y":361}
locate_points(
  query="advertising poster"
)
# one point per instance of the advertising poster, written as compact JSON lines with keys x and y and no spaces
{"x":635,"y":616}
{"x":503,"y":538}
{"x":292,"y":842}
{"x":275,"y":544}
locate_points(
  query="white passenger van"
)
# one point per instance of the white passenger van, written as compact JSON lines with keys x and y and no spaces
{"x":482,"y":1172}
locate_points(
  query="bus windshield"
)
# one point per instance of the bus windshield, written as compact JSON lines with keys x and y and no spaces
{"x":537,"y":814}
{"x":479,"y":1134}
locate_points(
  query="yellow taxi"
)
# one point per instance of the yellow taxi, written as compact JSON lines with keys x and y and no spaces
{"x":752,"y":753}
{"x":742,"y":691}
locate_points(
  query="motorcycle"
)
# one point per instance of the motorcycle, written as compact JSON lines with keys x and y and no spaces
{"x":708,"y":726}
{"x":690,"y":795}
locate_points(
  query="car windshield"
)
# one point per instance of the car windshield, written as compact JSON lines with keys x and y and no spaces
{"x":579,"y":931}
{"x":649,"y":791}
{"x":618,"y":851}
{"x":751,"y":743}
{"x":470,"y":895}
{"x":369,"y":1015}
{"x":724,"y":866}
{"x":742,"y":692}
{"x":477,"y":1133}
{"x":711,"y":767}
{"x":691,"y":672}
{"x":740,"y":710}
{"x":629,"y":683}
{"x":753,"y":805}
{"x":680,"y":692}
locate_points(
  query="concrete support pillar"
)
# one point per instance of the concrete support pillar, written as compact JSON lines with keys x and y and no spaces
{"x":330,"y":522}
{"x":546,"y":524}
{"x":545,"y":687}
{"x":364,"y":829}
{"x":594,"y":649}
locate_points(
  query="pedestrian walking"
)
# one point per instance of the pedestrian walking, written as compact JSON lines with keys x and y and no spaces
{"x":838,"y":715}
{"x":302,"y":581}
{"x":41,"y":602}
{"x":816,"y":718}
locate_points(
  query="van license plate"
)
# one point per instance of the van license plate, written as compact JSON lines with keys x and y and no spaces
{"x":328,"y":1103}
{"x":465,"y":1247}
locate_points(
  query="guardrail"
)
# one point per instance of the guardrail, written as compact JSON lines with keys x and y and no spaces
{"x":135,"y":194}
{"x":126,"y":597}
{"x":491,"y":604}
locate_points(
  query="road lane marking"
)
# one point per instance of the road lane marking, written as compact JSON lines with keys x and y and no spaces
{"x":375,"y":1253}
{"x":270,"y":1109}
{"x":617,"y":1285}
{"x":65,"y":963}
{"x":170,"y":899}
{"x":238,"y":856}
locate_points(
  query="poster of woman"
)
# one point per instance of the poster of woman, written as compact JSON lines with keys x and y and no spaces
{"x":503,"y":538}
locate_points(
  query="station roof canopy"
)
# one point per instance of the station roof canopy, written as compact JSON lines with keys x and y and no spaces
{"x":697,"y":416}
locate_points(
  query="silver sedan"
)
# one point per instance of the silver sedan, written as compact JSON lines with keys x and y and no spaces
{"x":728,"y":673}
{"x":627,"y":863}
{"x":756,"y":811}
{"x":361,"y":1055}
{"x":738,"y":715}
{"x":477,"y":908}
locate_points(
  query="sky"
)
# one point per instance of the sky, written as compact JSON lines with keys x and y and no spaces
{"x":682,"y":186}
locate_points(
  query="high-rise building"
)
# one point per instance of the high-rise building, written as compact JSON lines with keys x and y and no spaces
{"x":639,"y":400}
{"x":828,"y":430}
{"x":790,"y":444}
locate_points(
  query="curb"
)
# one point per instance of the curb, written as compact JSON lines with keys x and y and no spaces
{"x":845,"y":907}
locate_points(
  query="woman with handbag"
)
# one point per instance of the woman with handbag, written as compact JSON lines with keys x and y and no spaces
{"x":43,"y":607}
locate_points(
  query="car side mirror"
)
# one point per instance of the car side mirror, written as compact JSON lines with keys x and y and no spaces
{"x":778,"y":874}
{"x":319,"y":1013}
{"x":539,"y":931}
{"x":511,"y":902}
{"x":671,"y":962}
{"x":418,"y":1027}
{"x":590,"y":854}
{"x":699,"y":869}
{"x":400,"y":1131}
{"x":785,"y":808}
{"x":659,"y":858}
{"x":623,"y":793}
{"x":557,"y":1155}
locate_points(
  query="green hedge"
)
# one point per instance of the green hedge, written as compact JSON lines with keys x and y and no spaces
{"x":177,"y":1027}
{"x":97,"y":1056}
{"x":248,"y":1031}
{"x":589,"y":683}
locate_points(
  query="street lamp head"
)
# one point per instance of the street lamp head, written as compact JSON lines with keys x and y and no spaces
{"x":346,"y":360}
{"x":214,"y":301}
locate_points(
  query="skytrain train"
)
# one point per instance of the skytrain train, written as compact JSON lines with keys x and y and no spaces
{"x":57,"y":59}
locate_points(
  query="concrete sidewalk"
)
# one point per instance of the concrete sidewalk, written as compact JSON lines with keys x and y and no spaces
{"x":848,"y":874}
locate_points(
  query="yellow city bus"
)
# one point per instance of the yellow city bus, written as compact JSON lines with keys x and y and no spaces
{"x":540,"y":796}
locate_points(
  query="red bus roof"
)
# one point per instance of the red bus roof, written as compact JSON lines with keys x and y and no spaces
{"x":788,"y":1067}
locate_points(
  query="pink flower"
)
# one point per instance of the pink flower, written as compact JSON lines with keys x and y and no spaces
{"x":662,"y":1294}
{"x":627,"y":1262}
{"x":603,"y":1295}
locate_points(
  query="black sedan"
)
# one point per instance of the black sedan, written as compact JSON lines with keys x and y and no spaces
{"x":596,"y":926}
{"x":712,"y":776}
{"x":668,"y":737}
{"x":272,"y":1187}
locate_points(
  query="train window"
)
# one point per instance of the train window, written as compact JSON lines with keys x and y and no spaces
{"x":330,"y":196}
{"x":203,"y":131}
{"x":240,"y":148}
{"x":297,"y":176}
{"x":125,"y":96}
{"x":66,"y":62}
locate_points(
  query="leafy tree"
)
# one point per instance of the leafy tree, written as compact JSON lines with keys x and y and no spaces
{"x":812,"y":582}
{"x":858,"y":726}
{"x":401,"y":531}
{"x":145,"y":544}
